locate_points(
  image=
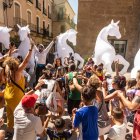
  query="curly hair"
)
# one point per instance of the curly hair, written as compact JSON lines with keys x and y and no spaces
{"x":120,"y":81}
{"x":12,"y":63}
{"x":94,"y":81}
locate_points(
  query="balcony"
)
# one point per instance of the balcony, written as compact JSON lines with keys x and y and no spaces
{"x":66,"y":18}
{"x":46,"y":33}
{"x":31,"y":1}
{"x":38,"y":5}
{"x":21,"y":22}
{"x":44,"y":11}
{"x":34,"y":28}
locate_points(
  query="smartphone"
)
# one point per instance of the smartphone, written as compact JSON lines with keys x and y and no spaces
{"x":44,"y":86}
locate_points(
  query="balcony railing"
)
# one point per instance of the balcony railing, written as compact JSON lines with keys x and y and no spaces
{"x":46,"y":33}
{"x":38,"y":5}
{"x":44,"y":11}
{"x":19,"y":21}
{"x":33,"y":27}
{"x":67,"y":19}
{"x":31,"y":1}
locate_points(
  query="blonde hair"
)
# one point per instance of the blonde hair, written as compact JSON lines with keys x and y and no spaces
{"x":94,"y":81}
{"x":12,"y":63}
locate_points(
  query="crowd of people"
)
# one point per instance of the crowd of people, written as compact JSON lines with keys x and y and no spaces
{"x":97,"y":102}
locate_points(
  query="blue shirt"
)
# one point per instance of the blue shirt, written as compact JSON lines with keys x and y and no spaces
{"x":86,"y":120}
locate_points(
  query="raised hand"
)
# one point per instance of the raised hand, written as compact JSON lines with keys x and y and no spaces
{"x":32,"y":43}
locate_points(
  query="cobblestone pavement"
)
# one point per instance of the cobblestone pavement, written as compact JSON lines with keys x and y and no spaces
{"x":74,"y":136}
{"x":68,"y":122}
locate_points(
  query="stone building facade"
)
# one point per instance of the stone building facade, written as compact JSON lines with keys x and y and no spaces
{"x":63,"y":16}
{"x":93,"y":15}
{"x":36,"y":13}
{"x":1,"y":14}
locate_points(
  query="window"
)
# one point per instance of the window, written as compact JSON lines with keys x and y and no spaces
{"x":17,"y":10}
{"x":17,"y":19}
{"x":37,"y":24}
{"x":49,"y":27}
{"x":49,"y":12}
{"x":38,"y":5}
{"x":120,"y":46}
{"x":44,"y":7}
{"x":62,"y":29}
{"x":28,"y":17}
{"x":61,"y":13}
{"x":44,"y":26}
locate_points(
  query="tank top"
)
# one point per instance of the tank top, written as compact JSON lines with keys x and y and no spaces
{"x":74,"y":94}
{"x":12,"y":93}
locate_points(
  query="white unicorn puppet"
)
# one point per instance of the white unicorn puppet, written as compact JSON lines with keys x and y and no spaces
{"x":104,"y":52}
{"x":5,"y":36}
{"x":25,"y":46}
{"x":136,"y":65}
{"x":63,"y":49}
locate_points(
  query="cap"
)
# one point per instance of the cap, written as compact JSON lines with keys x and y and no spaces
{"x":28,"y":101}
{"x":107,"y":74}
{"x":49,"y":66}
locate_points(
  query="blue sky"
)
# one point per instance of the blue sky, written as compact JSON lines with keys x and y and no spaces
{"x":74,"y":4}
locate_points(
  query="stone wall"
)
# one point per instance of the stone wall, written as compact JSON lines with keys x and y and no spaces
{"x":95,"y":14}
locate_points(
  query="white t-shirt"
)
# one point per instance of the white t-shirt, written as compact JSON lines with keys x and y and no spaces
{"x":26,"y":125}
{"x":117,"y":132}
{"x":40,"y":57}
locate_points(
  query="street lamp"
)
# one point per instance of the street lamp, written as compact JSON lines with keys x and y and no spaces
{"x":7,"y":4}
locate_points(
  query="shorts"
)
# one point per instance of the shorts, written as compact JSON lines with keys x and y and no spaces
{"x":73,"y":104}
{"x":103,"y":131}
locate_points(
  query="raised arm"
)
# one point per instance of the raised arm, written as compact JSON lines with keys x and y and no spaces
{"x":35,"y":88}
{"x":49,"y":47}
{"x":76,"y":84}
{"x":135,"y":104}
{"x":23,"y":65}
{"x":111,"y":96}
{"x":36,"y":49}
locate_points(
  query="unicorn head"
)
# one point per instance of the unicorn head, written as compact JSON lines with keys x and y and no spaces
{"x":23,"y":32}
{"x":71,"y":36}
{"x":5,"y":36}
{"x":113,"y":29}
